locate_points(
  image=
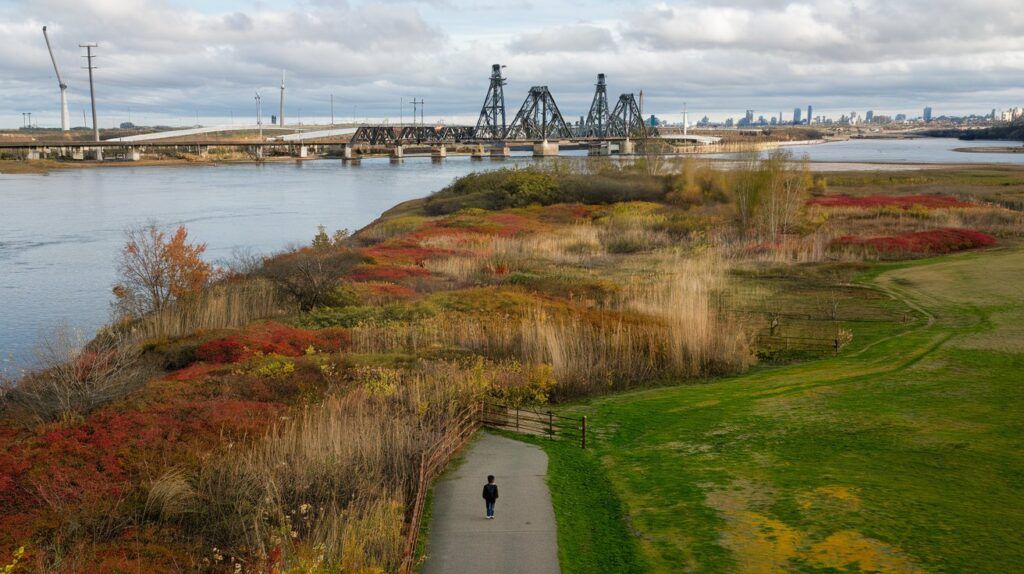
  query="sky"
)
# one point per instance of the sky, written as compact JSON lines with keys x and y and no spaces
{"x":173,"y":61}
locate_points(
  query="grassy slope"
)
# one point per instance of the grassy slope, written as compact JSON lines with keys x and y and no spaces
{"x":902,"y":455}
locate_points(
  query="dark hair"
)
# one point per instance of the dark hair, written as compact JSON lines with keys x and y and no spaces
{"x":490,"y":478}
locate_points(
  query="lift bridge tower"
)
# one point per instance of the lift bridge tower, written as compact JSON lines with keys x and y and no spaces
{"x":596,"y":125}
{"x":491,"y":124}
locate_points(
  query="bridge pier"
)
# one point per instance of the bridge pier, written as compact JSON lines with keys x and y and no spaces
{"x":626,"y":147}
{"x":77,"y":153}
{"x":33,"y":154}
{"x":133,"y":154}
{"x":545,"y":149}
{"x":478,"y":153}
{"x":500,"y":151}
{"x":438,"y":153}
{"x":303,"y":151}
{"x":397,"y":154}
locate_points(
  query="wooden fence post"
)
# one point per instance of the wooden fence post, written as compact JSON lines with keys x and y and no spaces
{"x":584,"y":433}
{"x":551,"y":425}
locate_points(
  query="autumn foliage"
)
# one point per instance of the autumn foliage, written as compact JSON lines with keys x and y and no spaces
{"x":270,"y":338}
{"x":935,"y":241}
{"x":155,"y":270}
{"x":895,"y":201}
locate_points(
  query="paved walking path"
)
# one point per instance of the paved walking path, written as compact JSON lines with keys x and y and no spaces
{"x":520,"y":540}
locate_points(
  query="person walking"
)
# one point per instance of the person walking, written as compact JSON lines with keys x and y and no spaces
{"x":490,"y":495}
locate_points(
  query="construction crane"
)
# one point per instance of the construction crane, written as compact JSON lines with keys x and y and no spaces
{"x":65,"y":119}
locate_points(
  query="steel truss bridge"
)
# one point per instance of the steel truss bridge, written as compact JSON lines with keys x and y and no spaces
{"x":538,"y":119}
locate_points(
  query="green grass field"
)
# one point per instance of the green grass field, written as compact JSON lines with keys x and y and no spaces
{"x":901,"y":454}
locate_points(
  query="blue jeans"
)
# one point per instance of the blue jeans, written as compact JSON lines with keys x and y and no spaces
{"x":490,"y":508}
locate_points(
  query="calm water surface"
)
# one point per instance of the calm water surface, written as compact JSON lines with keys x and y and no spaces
{"x":60,"y":233}
{"x":924,"y":150}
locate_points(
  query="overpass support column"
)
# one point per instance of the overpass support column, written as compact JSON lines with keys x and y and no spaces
{"x":303,"y":151}
{"x":626,"y":147}
{"x":134,"y":154}
{"x":33,"y":154}
{"x":545,"y":149}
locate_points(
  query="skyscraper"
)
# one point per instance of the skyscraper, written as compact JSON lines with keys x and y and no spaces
{"x":796,"y":116}
{"x":928,"y":114}
{"x":810,"y":115}
{"x":869,"y":116}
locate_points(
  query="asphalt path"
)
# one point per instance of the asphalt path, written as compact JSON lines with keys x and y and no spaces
{"x":520,"y":540}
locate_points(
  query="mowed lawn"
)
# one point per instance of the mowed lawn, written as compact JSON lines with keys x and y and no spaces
{"x":903,"y":454}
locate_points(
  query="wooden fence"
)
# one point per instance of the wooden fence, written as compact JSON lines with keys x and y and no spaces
{"x":432,"y":463}
{"x":435,"y":458}
{"x":534,"y":422}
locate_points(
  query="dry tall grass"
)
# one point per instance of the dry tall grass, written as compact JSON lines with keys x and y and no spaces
{"x":327,"y":490}
{"x":668,"y":327}
{"x":226,"y":305}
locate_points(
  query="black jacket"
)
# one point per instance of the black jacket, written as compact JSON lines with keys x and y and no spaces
{"x":490,"y":492}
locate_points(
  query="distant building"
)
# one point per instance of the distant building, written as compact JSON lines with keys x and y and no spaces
{"x":927,"y":114}
{"x":774,"y":121}
{"x":869,"y":116}
{"x":901,"y":117}
{"x":728,"y":123}
{"x":654,"y":121}
{"x":796,"y":116}
{"x":810,"y":115}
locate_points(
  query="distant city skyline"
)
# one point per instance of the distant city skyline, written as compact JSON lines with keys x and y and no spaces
{"x":169,"y":61}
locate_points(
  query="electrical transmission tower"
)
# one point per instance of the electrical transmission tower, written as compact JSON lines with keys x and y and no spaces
{"x":538,"y":118}
{"x":597,"y":120}
{"x":626,"y":120}
{"x":487,"y":126}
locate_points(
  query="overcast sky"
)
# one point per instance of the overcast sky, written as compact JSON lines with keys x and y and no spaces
{"x":167,"y":60}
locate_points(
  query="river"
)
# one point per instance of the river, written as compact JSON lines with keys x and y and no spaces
{"x":60,"y":232}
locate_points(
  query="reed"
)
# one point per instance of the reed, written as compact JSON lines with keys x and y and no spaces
{"x":326,"y":490}
{"x":221,"y":306}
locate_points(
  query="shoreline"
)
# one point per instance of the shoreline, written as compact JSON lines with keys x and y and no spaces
{"x":991,"y":149}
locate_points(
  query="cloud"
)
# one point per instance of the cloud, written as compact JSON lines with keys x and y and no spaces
{"x":575,"y":38}
{"x":168,"y":59}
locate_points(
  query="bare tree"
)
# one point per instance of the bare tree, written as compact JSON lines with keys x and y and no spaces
{"x":784,"y":193}
{"x":74,"y":377}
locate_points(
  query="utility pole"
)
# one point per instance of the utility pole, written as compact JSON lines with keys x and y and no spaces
{"x":685,"y":118}
{"x":259,"y":115}
{"x":92,"y":90}
{"x":415,"y":103}
{"x":401,"y":111}
{"x":332,"y":110}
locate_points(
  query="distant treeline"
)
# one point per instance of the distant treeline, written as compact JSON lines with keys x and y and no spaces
{"x":1011,"y":132}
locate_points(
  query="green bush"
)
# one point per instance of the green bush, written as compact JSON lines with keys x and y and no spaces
{"x":324,"y":317}
{"x":507,"y":188}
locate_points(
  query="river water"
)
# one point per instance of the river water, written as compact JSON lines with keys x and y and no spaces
{"x":60,"y":232}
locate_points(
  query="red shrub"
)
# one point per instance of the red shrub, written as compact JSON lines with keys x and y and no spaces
{"x":899,"y":201}
{"x":390,"y":290}
{"x":924,"y":242}
{"x":387,"y":273}
{"x":404,"y":252}
{"x":270,"y":337}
